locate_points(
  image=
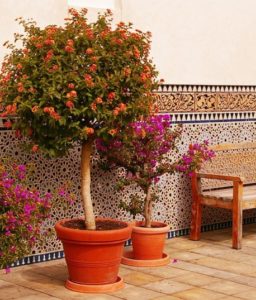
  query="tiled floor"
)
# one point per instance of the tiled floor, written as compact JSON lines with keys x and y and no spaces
{"x":207,"y":269}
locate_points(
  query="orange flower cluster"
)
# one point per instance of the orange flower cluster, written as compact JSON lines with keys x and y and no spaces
{"x":72,"y":94}
{"x":120,"y":108}
{"x":71,"y":86}
{"x":93,"y":68}
{"x":35,"y":148}
{"x":88,"y":80}
{"x":19,"y":66}
{"x":20,"y":87}
{"x":89,"y":130}
{"x":48,"y":56}
{"x":51,"y":30}
{"x":112,"y":132}
{"x":51,"y":111}
{"x":111,"y":96}
{"x":9,"y":110}
{"x":136,"y":52}
{"x":69,"y":46}
{"x":98,"y":100}
{"x":54,"y":68}
{"x":49,"y":42}
{"x":7,"y":124}
{"x":127,"y":71}
{"x":35,"y":109}
{"x":89,"y":33}
{"x":70,"y":104}
{"x":89,"y":51}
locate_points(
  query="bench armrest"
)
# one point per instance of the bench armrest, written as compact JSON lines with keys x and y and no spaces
{"x":220,"y":177}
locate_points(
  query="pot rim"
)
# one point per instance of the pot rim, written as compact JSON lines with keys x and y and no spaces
{"x":65,"y":233}
{"x":139,"y":229}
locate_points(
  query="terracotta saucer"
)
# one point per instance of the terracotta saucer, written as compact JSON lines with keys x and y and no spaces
{"x":128,"y":259}
{"x":95,"y":288}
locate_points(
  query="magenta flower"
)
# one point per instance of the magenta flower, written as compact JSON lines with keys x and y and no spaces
{"x":144,"y":149}
{"x":22,"y":212}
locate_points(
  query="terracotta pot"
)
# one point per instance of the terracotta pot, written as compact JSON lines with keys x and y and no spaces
{"x":148,"y":243}
{"x":93,"y":257}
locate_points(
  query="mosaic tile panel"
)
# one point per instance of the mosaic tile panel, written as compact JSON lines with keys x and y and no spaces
{"x":174,"y":202}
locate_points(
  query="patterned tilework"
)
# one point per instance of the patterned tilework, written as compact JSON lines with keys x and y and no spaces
{"x":174,"y":202}
{"x":200,"y":98}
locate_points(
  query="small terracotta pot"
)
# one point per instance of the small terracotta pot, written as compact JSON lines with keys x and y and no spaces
{"x":148,"y":243}
{"x":93,"y":257}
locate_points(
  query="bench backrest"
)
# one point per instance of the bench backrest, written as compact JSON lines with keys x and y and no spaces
{"x":238,"y":159}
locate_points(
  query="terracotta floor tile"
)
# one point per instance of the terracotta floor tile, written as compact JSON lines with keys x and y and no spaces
{"x":246,"y":280}
{"x":248,"y":250}
{"x":209,"y":250}
{"x":38,"y":296}
{"x":4,"y":283}
{"x":123,"y":271}
{"x":167,"y":286}
{"x":183,"y":244}
{"x":199,"y":294}
{"x":93,"y":297}
{"x":230,"y":298}
{"x":166,"y":297}
{"x":34,"y":281}
{"x":59,"y":272}
{"x":225,"y":265}
{"x":249,"y":243}
{"x":140,"y":278}
{"x":65,"y":294}
{"x":131,"y":292}
{"x":166,"y":272}
{"x":227,"y":287}
{"x":15,"y":292}
{"x":194,"y":267}
{"x":250,"y":295}
{"x":196,"y":279}
{"x":182,"y":255}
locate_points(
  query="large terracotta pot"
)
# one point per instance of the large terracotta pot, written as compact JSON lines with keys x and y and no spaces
{"x":148,"y":243}
{"x":93,"y":257}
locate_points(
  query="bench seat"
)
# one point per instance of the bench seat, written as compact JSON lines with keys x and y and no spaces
{"x":226,"y":194}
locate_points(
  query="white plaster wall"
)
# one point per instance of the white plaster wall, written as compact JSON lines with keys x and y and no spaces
{"x":99,"y":6}
{"x":43,"y":11}
{"x":199,"y":41}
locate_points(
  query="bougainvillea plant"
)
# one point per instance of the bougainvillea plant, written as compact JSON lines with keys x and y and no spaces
{"x":145,"y":151}
{"x":23,"y":211}
{"x":76,"y":83}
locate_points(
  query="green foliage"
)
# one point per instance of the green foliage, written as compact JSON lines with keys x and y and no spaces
{"x":80,"y":81}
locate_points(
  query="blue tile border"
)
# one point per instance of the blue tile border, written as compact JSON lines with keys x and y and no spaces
{"x":38,"y":258}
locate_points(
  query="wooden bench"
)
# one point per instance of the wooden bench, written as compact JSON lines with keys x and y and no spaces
{"x":229,"y":182}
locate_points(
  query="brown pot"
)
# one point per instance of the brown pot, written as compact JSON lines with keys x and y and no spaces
{"x":93,"y":257}
{"x":148,"y":243}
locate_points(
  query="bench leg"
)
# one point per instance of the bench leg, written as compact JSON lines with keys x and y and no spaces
{"x":237,"y":217}
{"x":196,"y":221}
{"x":237,"y":230}
{"x":195,"y":229}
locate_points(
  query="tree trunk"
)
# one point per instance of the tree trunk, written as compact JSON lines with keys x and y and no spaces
{"x":86,"y":185}
{"x":148,"y":208}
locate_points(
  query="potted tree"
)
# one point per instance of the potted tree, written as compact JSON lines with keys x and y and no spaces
{"x":145,"y":151}
{"x":69,"y":85}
